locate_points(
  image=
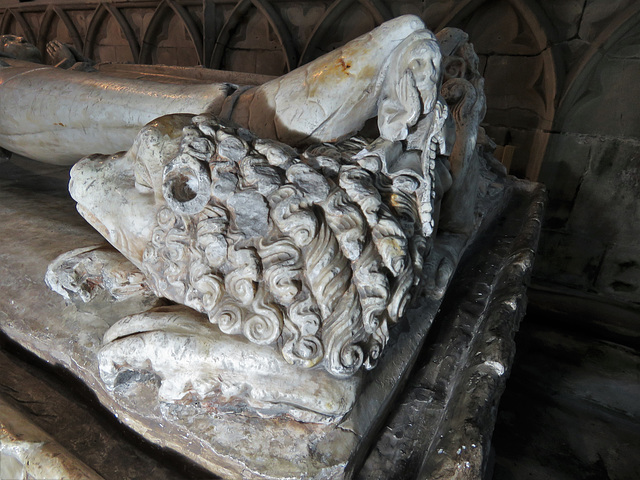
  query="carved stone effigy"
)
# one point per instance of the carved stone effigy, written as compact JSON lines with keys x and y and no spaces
{"x":305,"y":264}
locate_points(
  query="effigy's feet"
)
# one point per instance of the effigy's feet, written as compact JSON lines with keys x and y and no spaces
{"x":60,"y":55}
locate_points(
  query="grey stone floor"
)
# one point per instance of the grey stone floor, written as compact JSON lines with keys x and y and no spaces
{"x":571,"y":409}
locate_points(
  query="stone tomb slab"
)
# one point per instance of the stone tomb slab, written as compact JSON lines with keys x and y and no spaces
{"x":470,"y":348}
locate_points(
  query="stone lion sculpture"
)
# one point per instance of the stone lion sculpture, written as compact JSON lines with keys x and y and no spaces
{"x":267,"y":215}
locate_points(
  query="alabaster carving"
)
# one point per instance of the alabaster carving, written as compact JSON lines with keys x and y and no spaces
{"x":84,"y":273}
{"x":388,"y":73}
{"x":313,"y":252}
{"x":58,"y":54}
{"x":193,"y":362}
{"x":299,"y":244}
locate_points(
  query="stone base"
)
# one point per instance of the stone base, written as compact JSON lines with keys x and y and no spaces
{"x":442,"y":421}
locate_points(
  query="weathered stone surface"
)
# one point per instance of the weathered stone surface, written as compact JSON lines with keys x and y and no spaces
{"x":450,"y":400}
{"x":518,"y":102}
{"x":26,"y":326}
{"x":564,"y":176}
{"x":565,"y":16}
{"x":610,"y":218}
{"x":85,"y":273}
{"x":620,"y":272}
{"x":53,"y":404}
{"x":597,"y":14}
{"x":578,"y":271}
{"x":591,"y":167}
{"x":604,"y":112}
{"x":509,"y":35}
{"x":587,"y":228}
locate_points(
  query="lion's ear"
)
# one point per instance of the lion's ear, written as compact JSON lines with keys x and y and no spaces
{"x":399,"y":109}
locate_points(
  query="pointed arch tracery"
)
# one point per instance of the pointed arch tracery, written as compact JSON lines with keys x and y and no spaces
{"x":164,"y":9}
{"x":377,"y":8}
{"x":276,"y":22}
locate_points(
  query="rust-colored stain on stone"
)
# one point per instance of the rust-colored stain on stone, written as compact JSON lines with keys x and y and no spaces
{"x":329,"y":74}
{"x":396,"y":200}
{"x":341,"y":67}
{"x":344,"y":65}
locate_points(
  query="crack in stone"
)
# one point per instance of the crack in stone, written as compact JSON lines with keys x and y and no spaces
{"x":584,"y":8}
{"x":517,"y":55}
{"x":585,"y":136}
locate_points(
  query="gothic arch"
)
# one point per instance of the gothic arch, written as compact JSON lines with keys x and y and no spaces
{"x":165,"y":9}
{"x":377,"y":8}
{"x":45,"y":25}
{"x":97,"y":21}
{"x":14,"y":15}
{"x":275,"y":20}
{"x":579,"y":76}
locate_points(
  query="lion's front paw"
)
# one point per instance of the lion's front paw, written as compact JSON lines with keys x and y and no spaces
{"x":84,"y":273}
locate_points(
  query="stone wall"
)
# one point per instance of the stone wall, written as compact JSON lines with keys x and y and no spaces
{"x":561,"y":84}
{"x":591,"y":238}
